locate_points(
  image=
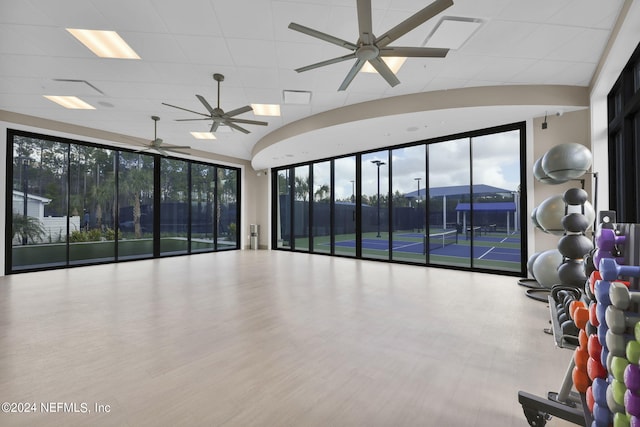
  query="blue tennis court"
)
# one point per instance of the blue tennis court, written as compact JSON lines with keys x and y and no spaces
{"x":482,"y":248}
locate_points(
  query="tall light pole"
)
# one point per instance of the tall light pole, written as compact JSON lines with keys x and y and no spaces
{"x":378,"y":163}
{"x":353,"y":191}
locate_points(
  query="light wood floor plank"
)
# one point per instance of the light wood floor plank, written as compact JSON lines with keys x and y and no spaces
{"x":268,"y":338}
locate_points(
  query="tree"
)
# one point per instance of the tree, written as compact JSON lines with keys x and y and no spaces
{"x":28,"y":228}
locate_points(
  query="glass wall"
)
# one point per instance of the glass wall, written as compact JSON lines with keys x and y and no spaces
{"x":344,"y":199}
{"x":174,"y":206}
{"x":496,"y":241}
{"x":135,"y":205}
{"x":92,"y":204}
{"x":301,"y":203}
{"x":449,"y":180}
{"x":39,"y":204}
{"x":454,"y":202}
{"x":321,"y":202}
{"x":374,"y":215}
{"x":227,"y":212}
{"x":408,"y":196}
{"x":203,"y":206}
{"x":78,"y":203}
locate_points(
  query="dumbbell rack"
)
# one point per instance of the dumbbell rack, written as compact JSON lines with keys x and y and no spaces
{"x":607,"y":349}
{"x":611,"y":402}
{"x":565,"y":404}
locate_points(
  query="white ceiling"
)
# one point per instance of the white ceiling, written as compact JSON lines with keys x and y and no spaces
{"x":182,"y":43}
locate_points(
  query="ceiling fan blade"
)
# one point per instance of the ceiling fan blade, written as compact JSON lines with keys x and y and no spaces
{"x":239,"y":111}
{"x":191,"y":120}
{"x":175,"y":147}
{"x":352,"y":73}
{"x":414,"y":52}
{"x":383,"y":69}
{"x":236,"y":127}
{"x":327,"y":62}
{"x":413,"y":21}
{"x":214,"y":126}
{"x":161,"y":151}
{"x":206,"y":104}
{"x":322,"y":36}
{"x":180,"y":108}
{"x":364,"y":21}
{"x":248,"y":122}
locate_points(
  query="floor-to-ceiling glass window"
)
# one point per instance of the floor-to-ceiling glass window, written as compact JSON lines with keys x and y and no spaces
{"x":375,"y":205}
{"x":39,"y":217}
{"x":135,"y":205}
{"x":92,"y":204}
{"x":283,"y":209}
{"x":321,"y":226}
{"x":408,"y":204}
{"x":454,"y":201}
{"x":495,"y":206}
{"x":301,"y":208}
{"x":227,"y":212}
{"x":174,"y":206}
{"x":76,"y":203}
{"x":449,"y":177}
{"x":344,"y":199}
{"x":203,"y":190}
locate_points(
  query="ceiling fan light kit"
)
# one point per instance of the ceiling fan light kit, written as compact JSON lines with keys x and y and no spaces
{"x":371,"y":49}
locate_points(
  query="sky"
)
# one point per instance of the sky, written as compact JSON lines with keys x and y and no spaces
{"x":496,"y":162}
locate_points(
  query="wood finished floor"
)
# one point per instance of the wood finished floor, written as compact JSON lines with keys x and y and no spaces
{"x":268,"y":338}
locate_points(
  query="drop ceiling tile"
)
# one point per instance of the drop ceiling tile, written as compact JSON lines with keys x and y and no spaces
{"x":499,"y":69}
{"x":543,"y":72}
{"x":73,"y":14}
{"x":253,"y":53}
{"x":588,"y":14}
{"x":155,"y":46}
{"x":205,"y":50}
{"x":132,"y":16}
{"x":245,"y":19}
{"x":491,"y":39}
{"x":310,"y":15}
{"x":543,"y":40}
{"x":193,"y":17}
{"x":536,"y":11}
{"x":25,"y":11}
{"x":582,"y":47}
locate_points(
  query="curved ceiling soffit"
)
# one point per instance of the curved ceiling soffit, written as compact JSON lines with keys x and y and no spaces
{"x":484,"y":96}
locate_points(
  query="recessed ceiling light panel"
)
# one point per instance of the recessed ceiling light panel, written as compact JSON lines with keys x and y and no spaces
{"x":71,"y":102}
{"x":203,"y":135}
{"x":393,"y":62}
{"x":452,"y":32}
{"x":266,"y":109}
{"x":105,"y":44}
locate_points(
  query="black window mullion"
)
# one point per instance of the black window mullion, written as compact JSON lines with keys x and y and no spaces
{"x":358,"y":211}
{"x":157,"y":163}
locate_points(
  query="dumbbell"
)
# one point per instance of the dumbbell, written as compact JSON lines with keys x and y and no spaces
{"x":601,"y":415}
{"x":632,"y":377}
{"x":621,"y":297}
{"x":593,"y":315}
{"x":607,"y":239}
{"x":621,"y":419}
{"x":616,"y":344}
{"x":610,"y":269}
{"x":632,"y":403}
{"x":601,"y":291}
{"x":618,"y":321}
{"x":615,"y":396}
{"x":633,"y":351}
{"x":601,"y":254}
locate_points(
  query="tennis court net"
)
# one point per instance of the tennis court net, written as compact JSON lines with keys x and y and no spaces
{"x":440,"y":240}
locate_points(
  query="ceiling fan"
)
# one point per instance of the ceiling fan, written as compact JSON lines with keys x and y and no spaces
{"x":218,"y":116}
{"x":371,"y":48}
{"x":158,"y":146}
